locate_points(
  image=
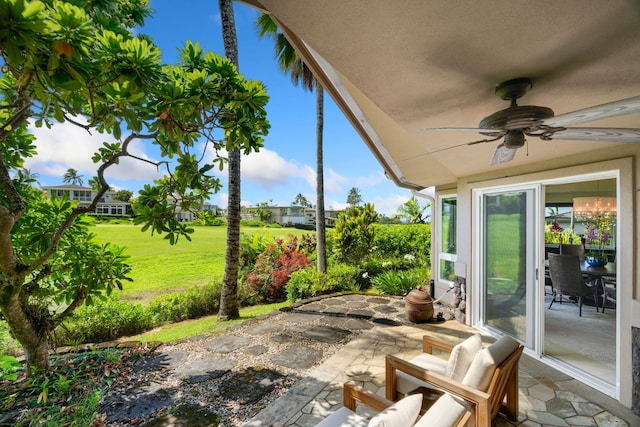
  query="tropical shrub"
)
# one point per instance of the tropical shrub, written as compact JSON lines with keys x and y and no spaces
{"x":353,"y":236}
{"x":273,"y":269}
{"x":396,"y":241}
{"x":112,"y":318}
{"x":340,"y":278}
{"x":251,"y":246}
{"x":105,"y":321}
{"x":190,"y":304}
{"x":398,"y":282}
{"x":307,"y":282}
{"x":302,"y":283}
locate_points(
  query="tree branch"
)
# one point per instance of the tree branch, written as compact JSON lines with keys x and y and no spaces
{"x":104,"y":187}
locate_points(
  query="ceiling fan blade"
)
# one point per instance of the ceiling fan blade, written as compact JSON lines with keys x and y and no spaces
{"x":477,"y":130}
{"x":502,"y":155}
{"x":597,"y":112}
{"x":598,"y":134}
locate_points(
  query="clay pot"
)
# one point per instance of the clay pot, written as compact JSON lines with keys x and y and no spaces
{"x":418,"y":305}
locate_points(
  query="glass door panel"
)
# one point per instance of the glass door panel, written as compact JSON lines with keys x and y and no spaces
{"x":509,"y":275}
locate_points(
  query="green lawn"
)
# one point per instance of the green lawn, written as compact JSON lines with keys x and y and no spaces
{"x":158,"y":267}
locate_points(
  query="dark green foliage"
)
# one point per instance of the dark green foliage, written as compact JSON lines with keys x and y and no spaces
{"x":342,"y":277}
{"x":398,"y":282}
{"x":208,"y":219}
{"x":305,"y":226}
{"x":396,"y":241}
{"x":252,"y":223}
{"x":307,"y":283}
{"x":251,"y":246}
{"x":105,"y":321}
{"x":354,"y":234}
{"x":302,"y":282}
{"x":113,"y":319}
{"x":190,"y":304}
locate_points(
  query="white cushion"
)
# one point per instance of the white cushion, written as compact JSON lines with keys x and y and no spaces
{"x":443,"y":413}
{"x":502,"y":348}
{"x":461,"y":357}
{"x":344,"y":417}
{"x":407,"y":383}
{"x":484,"y":364}
{"x":403,"y":413}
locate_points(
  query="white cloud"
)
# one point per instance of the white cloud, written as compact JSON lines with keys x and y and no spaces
{"x":389,"y":205}
{"x":333,"y":182}
{"x":267,"y":169}
{"x":371,"y":180}
{"x":67,"y":146}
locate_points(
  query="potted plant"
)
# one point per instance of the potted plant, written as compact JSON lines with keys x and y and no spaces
{"x":597,"y":235}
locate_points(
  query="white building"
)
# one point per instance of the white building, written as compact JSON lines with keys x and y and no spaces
{"x":84,"y":195}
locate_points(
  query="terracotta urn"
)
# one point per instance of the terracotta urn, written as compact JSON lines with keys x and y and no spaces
{"x":418,"y":305}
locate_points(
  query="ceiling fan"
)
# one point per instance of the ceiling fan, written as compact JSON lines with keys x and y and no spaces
{"x":517,"y":122}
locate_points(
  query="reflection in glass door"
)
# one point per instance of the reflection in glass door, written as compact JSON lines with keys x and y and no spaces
{"x":509,"y":268}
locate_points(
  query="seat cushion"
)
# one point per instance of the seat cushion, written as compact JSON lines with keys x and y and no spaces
{"x":403,"y":413}
{"x":407,"y":383}
{"x":484,"y":364}
{"x":445,"y":412}
{"x":344,"y":417}
{"x":461,"y":357}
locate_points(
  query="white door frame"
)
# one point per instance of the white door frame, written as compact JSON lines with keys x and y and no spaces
{"x":621,"y":169}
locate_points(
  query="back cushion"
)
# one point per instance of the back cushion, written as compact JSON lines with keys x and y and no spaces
{"x":461,"y":357}
{"x":403,"y":413}
{"x":445,"y":412}
{"x":484,"y":364}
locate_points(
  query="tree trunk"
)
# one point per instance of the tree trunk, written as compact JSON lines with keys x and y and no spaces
{"x":229,"y":296}
{"x":321,"y":241}
{"x":32,"y":339}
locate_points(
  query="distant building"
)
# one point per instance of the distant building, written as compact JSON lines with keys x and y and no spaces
{"x":189,"y":216}
{"x":290,"y":215}
{"x":84,"y":195}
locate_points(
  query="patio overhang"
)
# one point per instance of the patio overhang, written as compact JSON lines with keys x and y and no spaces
{"x":397,"y":68}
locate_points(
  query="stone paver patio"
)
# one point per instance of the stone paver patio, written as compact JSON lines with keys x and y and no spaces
{"x":547,"y":397}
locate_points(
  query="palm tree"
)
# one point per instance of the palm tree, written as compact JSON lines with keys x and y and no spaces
{"x":229,"y":295}
{"x":291,"y":63}
{"x":354,"y":198}
{"x":72,"y":177}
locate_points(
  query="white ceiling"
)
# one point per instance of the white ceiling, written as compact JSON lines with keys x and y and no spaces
{"x":397,"y":67}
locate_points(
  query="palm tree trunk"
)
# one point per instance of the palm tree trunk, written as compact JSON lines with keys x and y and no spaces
{"x":321,"y":241}
{"x":229,"y":296}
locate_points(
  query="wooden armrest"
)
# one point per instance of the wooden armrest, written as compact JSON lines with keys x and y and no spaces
{"x":428,"y":342}
{"x":353,"y":393}
{"x":394,"y":363}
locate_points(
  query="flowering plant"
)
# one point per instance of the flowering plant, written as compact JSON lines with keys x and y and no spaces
{"x":598,"y":235}
{"x":554,"y":233}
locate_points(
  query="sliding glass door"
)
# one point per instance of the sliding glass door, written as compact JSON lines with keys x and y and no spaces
{"x":508,"y":266}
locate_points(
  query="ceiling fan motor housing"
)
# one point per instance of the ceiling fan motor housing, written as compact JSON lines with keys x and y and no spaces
{"x":525,"y":117}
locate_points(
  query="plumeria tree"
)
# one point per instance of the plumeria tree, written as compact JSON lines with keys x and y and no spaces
{"x":66,"y":64}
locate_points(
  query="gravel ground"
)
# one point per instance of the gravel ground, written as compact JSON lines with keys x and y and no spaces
{"x":232,"y":376}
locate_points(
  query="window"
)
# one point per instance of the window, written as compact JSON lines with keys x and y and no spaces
{"x":83,"y":196}
{"x":448,"y":235}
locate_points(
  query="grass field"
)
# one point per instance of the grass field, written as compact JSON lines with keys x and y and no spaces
{"x":158,"y":267}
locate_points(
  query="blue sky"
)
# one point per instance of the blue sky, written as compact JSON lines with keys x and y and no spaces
{"x":286,"y":164}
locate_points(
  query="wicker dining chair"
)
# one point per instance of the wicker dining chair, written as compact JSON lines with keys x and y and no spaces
{"x":568,"y":280}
